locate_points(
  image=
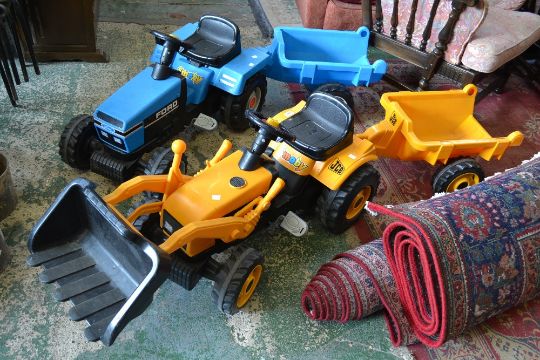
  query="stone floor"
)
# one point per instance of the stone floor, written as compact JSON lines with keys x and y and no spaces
{"x":173,"y":12}
{"x":179,"y":324}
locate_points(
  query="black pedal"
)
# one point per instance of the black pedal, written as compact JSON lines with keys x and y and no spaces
{"x":187,"y":272}
{"x":103,"y":163}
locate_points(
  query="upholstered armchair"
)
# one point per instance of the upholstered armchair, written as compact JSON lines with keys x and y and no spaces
{"x":463,"y":40}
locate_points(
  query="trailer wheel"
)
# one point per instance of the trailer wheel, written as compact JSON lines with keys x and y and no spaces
{"x":78,"y":141}
{"x":233,"y":107}
{"x":457,"y":175}
{"x":339,"y":209}
{"x":237,"y":279}
{"x":339,"y":91}
{"x":148,"y":225}
{"x":159,"y":162}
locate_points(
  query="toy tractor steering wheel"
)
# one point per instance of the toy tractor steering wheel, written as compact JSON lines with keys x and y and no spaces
{"x":171,"y":45}
{"x":161,"y":37}
{"x":251,"y":158}
{"x":268,"y":131}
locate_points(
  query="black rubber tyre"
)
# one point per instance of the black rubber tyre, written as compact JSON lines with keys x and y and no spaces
{"x":233,"y":107}
{"x":333,"y":205}
{"x":338,"y":90}
{"x":77,"y":142}
{"x":159,"y":162}
{"x":235,"y":272}
{"x":457,"y":175}
{"x":148,"y":225}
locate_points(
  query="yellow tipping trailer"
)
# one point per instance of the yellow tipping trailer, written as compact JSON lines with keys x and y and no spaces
{"x":435,"y":126}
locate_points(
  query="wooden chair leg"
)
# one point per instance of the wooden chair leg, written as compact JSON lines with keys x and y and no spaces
{"x":529,"y":71}
{"x":502,"y":79}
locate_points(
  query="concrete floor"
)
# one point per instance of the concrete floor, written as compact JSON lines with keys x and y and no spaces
{"x":179,"y":324}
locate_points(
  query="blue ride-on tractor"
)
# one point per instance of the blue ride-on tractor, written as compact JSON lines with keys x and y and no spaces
{"x":202,"y":68}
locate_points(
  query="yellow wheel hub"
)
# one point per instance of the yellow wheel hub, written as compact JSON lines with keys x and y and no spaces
{"x":463,"y":181}
{"x":358,"y":202}
{"x":249,"y":286}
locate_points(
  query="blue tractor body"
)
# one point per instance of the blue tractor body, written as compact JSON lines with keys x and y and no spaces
{"x":122,"y":119}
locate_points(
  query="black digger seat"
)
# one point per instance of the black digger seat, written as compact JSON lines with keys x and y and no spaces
{"x":215,"y":42}
{"x":322,"y":128}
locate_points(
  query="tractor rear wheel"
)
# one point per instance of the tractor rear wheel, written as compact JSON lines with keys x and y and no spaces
{"x":159,"y":162}
{"x":78,"y":141}
{"x":237,"y":279}
{"x":233,"y":107}
{"x":339,"y":91}
{"x":457,"y":175}
{"x":339,"y":209}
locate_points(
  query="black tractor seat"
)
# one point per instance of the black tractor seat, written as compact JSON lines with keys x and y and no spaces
{"x":215,"y":42}
{"x":322,"y":128}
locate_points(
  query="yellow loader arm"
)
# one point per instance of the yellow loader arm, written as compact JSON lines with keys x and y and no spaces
{"x":163,"y":184}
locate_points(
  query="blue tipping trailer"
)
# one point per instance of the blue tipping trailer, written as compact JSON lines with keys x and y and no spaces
{"x":316,"y":57}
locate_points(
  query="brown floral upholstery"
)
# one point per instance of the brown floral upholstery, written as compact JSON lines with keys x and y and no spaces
{"x":504,"y":35}
{"x":506,"y":4}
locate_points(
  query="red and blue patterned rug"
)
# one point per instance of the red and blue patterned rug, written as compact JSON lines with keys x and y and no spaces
{"x":465,"y":257}
{"x":455,"y":261}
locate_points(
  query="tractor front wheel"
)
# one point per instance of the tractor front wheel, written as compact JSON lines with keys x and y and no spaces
{"x":78,"y":141}
{"x":233,"y":107}
{"x":339,"y":209}
{"x":237,"y":279}
{"x":148,"y":225}
{"x":457,"y":175}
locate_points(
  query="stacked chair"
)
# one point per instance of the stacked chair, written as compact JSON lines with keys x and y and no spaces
{"x":15,"y":36}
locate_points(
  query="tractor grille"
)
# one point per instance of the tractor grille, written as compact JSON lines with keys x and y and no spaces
{"x":109,"y":119}
{"x":170,"y":224}
{"x":111,"y":139}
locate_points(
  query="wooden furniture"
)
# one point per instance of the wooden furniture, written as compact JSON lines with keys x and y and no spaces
{"x":431,"y":62}
{"x":483,"y":43}
{"x":15,"y":34}
{"x":65,"y":30}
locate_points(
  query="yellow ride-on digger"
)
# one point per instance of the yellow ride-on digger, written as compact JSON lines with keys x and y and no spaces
{"x":109,"y":265}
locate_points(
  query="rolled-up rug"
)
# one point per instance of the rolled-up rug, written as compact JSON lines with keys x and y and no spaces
{"x":354,"y":285}
{"x":456,"y":260}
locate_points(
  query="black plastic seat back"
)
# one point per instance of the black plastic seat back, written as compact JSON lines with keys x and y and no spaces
{"x":215,"y":42}
{"x":322,"y":128}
